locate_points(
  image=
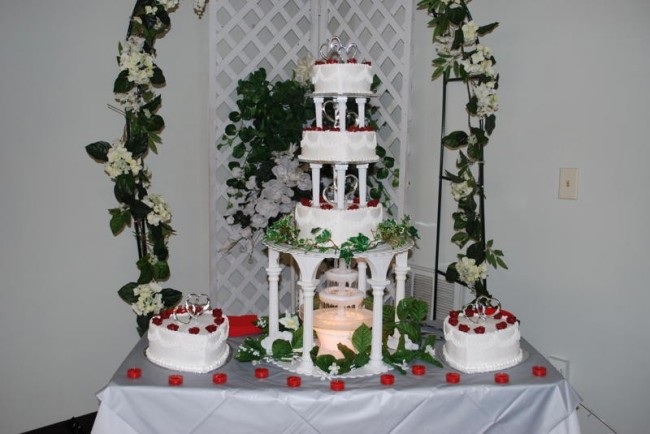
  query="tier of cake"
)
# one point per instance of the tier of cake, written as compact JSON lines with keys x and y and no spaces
{"x":481,"y":344}
{"x":342,"y":78}
{"x":338,"y":146}
{"x":342,"y":223}
{"x":189,"y":344}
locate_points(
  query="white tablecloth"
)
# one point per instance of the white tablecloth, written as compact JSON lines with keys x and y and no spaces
{"x":414,"y":404}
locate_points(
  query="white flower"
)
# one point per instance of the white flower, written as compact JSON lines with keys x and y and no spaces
{"x":333,"y":369}
{"x":486,"y":97}
{"x":460,"y":190}
{"x":267,"y":208}
{"x":120,"y":161}
{"x":251,"y":184}
{"x":430,"y":351}
{"x":149,"y":299}
{"x":469,"y":32}
{"x":159,"y":210}
{"x":199,"y":7}
{"x":469,"y":272}
{"x":136,"y":61}
{"x":261,"y":323}
{"x":393,"y":342}
{"x":150,"y":10}
{"x":168,"y":4}
{"x":290,"y":321}
{"x":304,"y":69}
{"x":236,"y":172}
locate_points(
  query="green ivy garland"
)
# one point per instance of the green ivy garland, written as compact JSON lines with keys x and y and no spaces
{"x":123,"y":160}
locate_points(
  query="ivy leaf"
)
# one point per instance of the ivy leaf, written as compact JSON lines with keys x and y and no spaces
{"x":239,"y":150}
{"x":122,"y":83}
{"x":231,"y":130}
{"x":234,"y":117}
{"x":484,"y":30}
{"x":158,"y":77}
{"x":281,"y":349}
{"x":362,"y":338}
{"x":126,"y":293}
{"x":170,"y":297}
{"x":161,"y":271}
{"x":119,"y":221}
{"x":455,"y":139}
{"x":98,"y":151}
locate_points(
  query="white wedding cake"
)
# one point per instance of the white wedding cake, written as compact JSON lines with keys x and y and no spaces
{"x":192,"y":343}
{"x":348,"y":146}
{"x":476,"y":342}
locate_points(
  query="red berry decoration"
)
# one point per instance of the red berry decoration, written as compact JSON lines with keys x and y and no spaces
{"x":463,"y":328}
{"x":217,"y":312}
{"x":211,"y":328}
{"x":173,"y":327}
{"x":219,"y":320}
{"x":353,"y":60}
{"x":353,"y":206}
{"x":453,"y":313}
{"x":194,"y":330}
{"x":157,"y":320}
{"x":469,"y":313}
{"x":501,"y":325}
{"x":479,"y":330}
{"x":511,"y":319}
{"x":453,"y":321}
{"x":498,"y":315}
{"x":305,"y":202}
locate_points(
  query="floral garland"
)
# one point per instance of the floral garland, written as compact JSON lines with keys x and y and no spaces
{"x":459,"y":52}
{"x":403,"y":342}
{"x":123,"y":160}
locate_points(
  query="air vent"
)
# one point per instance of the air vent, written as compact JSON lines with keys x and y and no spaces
{"x":450,"y":295}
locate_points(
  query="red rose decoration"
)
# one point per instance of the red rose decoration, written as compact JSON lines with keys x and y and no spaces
{"x":469,"y":313}
{"x":501,"y":325}
{"x":479,"y":330}
{"x":217,"y":312}
{"x":319,"y":62}
{"x":211,"y":328}
{"x":305,"y":202}
{"x":353,"y":206}
{"x":330,"y":61}
{"x":166,"y":314}
{"x":326,"y":206}
{"x":194,"y":330}
{"x":353,"y":60}
{"x":373,"y":203}
{"x":157,"y":320}
{"x":498,"y":315}
{"x":367,"y":63}
{"x":173,"y":327}
{"x":453,"y":321}
{"x":463,"y":328}
{"x":219,"y":320}
{"x":453,"y":313}
{"x":511,"y":319}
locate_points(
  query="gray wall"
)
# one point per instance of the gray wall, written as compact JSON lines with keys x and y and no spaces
{"x":573,"y":96}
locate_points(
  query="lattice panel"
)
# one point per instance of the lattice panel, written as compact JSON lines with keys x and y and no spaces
{"x":245,"y":36}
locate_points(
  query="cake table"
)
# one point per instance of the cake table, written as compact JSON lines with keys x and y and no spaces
{"x":413,"y":404}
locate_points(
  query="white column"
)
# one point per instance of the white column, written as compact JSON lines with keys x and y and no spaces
{"x":315,"y":184}
{"x":378,"y":287}
{"x":340,"y":185}
{"x":401,"y":269}
{"x":318,"y":102}
{"x":363,"y":185}
{"x":362,"y":282}
{"x":361,"y":104}
{"x":273,"y":271}
{"x":342,"y":106}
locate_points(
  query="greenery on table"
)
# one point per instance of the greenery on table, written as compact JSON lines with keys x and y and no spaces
{"x":135,"y":90}
{"x":401,"y":324}
{"x":461,"y":55}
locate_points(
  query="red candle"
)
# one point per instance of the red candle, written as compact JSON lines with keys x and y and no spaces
{"x":175,"y":380}
{"x":387,"y":379}
{"x":501,"y":378}
{"x":337,"y":385}
{"x":453,"y":377}
{"x":261,"y":373}
{"x":539,"y":371}
{"x":418,"y":369}
{"x":134,"y":373}
{"x":219,"y":378}
{"x":294,"y":381}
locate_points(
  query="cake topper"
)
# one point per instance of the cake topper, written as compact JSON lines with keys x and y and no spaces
{"x":195,"y":306}
{"x":333,"y":49}
{"x":480,"y":306}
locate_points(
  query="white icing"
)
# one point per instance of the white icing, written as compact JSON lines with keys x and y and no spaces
{"x":342,"y":224}
{"x":335,"y":146}
{"x":342,"y":78}
{"x":490,"y":351}
{"x":183,"y":351}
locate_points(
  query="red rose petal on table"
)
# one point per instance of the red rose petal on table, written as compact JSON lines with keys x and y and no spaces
{"x":452,"y":377}
{"x":261,"y":373}
{"x":501,"y":378}
{"x":175,"y":380}
{"x":294,"y":381}
{"x":134,"y":373}
{"x":539,"y":371}
{"x":219,"y":378}
{"x":387,"y":379}
{"x":418,"y":369}
{"x":337,"y":385}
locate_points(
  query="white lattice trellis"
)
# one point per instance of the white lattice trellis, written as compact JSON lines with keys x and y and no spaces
{"x":245,"y":36}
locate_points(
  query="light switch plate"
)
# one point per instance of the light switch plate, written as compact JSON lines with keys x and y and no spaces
{"x":568,"y":183}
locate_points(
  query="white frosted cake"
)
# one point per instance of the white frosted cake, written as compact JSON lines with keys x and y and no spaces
{"x":481,"y":344}
{"x":342,"y":223}
{"x":335,"y":146}
{"x":342,"y":78}
{"x":195,"y":344}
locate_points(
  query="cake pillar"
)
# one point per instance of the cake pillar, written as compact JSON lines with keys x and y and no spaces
{"x":273,"y":271}
{"x":308,"y":266}
{"x":342,"y":102}
{"x":340,"y":170}
{"x":401,"y":268}
{"x":318,"y":102}
{"x":362,"y":282}
{"x":361,"y":104}
{"x":363,"y":185}
{"x":315,"y":184}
